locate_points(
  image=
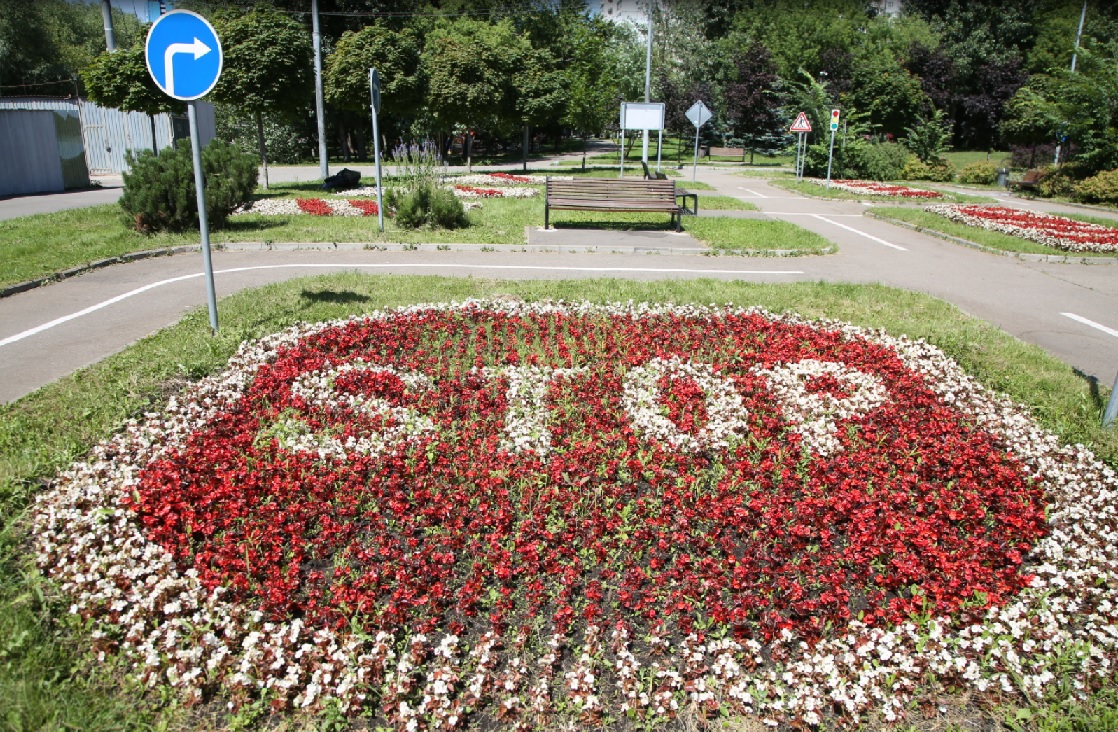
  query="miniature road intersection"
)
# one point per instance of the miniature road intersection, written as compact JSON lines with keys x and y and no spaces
{"x":1070,"y":310}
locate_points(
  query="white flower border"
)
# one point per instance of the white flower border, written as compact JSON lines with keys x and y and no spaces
{"x":187,"y":638}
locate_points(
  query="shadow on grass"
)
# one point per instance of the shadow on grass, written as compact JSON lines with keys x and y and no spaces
{"x":277,"y":190}
{"x":239,"y":225}
{"x":336,"y":297}
{"x":1093,"y":388}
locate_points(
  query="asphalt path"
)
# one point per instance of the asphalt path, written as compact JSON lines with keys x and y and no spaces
{"x":1070,"y":310}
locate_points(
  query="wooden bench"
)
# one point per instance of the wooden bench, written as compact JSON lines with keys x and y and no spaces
{"x":649,"y":175}
{"x":612,"y":195}
{"x":726,"y":152}
{"x":1028,"y":183}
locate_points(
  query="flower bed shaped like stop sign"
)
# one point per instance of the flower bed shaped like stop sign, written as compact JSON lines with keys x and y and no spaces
{"x":494,"y":472}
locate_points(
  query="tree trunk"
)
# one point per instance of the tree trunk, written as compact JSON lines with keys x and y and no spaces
{"x":154,"y":144}
{"x":263,"y":147}
{"x":362,"y":148}
{"x":343,"y":143}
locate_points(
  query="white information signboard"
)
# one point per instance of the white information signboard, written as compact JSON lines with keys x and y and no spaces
{"x":642,"y":115}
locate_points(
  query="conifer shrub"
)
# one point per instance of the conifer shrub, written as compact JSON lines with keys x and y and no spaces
{"x":159,"y":192}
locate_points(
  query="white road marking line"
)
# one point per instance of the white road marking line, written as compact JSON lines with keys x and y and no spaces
{"x":860,"y":233}
{"x":140,"y":290}
{"x":1091,"y":323}
{"x":802,"y":213}
{"x":751,"y":191}
{"x":93,"y":308}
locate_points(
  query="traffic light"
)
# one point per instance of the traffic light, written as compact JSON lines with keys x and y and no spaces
{"x":834,"y":119}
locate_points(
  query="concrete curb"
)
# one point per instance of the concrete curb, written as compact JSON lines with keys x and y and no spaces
{"x":99,"y":264}
{"x":1024,"y":256}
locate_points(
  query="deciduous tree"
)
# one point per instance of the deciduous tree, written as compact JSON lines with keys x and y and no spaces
{"x":268,"y":68}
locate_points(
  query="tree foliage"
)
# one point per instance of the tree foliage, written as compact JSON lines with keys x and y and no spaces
{"x":471,"y":67}
{"x":121,"y":79}
{"x":395,"y":56}
{"x":268,"y":62}
{"x":52,"y":40}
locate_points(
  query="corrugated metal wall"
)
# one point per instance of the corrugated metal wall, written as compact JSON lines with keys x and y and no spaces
{"x":110,"y":134}
{"x":29,"y":151}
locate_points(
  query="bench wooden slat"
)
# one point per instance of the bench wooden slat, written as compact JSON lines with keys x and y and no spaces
{"x":612,"y":195}
{"x":1031,"y":180}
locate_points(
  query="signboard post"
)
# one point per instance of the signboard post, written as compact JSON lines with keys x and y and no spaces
{"x":183,"y":56}
{"x":640,"y":116}
{"x":374,"y":105}
{"x":801,"y":127}
{"x":831,"y":156}
{"x":699,"y":116}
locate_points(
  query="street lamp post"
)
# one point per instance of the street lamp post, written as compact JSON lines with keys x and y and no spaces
{"x":648,"y":76}
{"x":319,"y":106}
{"x":1074,"y":55}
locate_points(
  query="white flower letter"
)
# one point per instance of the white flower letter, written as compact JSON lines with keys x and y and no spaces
{"x":641,"y":398}
{"x":318,"y":388}
{"x":813,"y":414}
{"x":526,"y":418}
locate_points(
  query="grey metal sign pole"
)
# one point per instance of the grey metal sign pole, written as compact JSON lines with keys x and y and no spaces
{"x":319,"y":104}
{"x":189,"y":37}
{"x":803,"y":156}
{"x":1111,"y":412}
{"x":830,"y":157}
{"x":374,"y":105}
{"x":203,"y":222}
{"x":695,"y":156}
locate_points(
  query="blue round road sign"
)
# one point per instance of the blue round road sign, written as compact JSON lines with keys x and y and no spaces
{"x":183,"y":55}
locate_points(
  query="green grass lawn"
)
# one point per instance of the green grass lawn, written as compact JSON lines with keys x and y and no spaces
{"x":994,"y":240}
{"x":48,"y":680}
{"x":963,"y":158}
{"x":33,"y":247}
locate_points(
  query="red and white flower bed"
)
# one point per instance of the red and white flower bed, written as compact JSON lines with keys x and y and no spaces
{"x":312,"y":206}
{"x":494,"y":185}
{"x":873,"y":188}
{"x":532,"y":513}
{"x":1052,"y":231}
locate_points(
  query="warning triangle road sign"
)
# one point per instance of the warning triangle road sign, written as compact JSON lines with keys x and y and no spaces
{"x":801,"y":124}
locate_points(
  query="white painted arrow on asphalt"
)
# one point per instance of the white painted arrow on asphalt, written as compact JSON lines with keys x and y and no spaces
{"x":198,"y":48}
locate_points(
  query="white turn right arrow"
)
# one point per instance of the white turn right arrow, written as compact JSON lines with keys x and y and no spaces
{"x":198,"y":48}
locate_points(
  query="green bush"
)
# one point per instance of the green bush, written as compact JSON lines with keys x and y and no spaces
{"x":980,"y":172}
{"x":159,"y":192}
{"x":1099,"y":188}
{"x":939,"y":170}
{"x":915,"y":170}
{"x":1059,"y":182}
{"x":429,"y":205}
{"x":875,"y":161}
